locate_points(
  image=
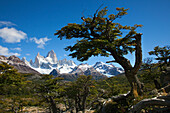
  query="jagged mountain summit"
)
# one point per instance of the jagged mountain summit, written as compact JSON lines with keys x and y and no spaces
{"x":52,"y":56}
{"x":45,"y":65}
{"x":51,"y":65}
{"x":67,"y":68}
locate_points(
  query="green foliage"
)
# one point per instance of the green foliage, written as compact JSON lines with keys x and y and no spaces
{"x":102,"y":35}
{"x":17,"y":92}
{"x":49,"y":89}
{"x":13,"y":89}
{"x":99,"y":35}
{"x":162,"y":54}
{"x":114,"y":86}
{"x":150,"y":70}
{"x":82,"y":92}
{"x":11,"y":82}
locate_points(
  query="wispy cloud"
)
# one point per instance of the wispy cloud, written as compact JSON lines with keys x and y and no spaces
{"x":28,"y":54}
{"x":41,"y":42}
{"x":16,"y":49}
{"x":5,"y":51}
{"x":12,"y":35}
{"x":6,"y":23}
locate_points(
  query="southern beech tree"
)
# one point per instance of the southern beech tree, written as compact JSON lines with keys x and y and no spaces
{"x":13,"y":88}
{"x":150,"y":72}
{"x":162,"y":54}
{"x":50,"y":89}
{"x":101,"y":35}
{"x":82,"y":92}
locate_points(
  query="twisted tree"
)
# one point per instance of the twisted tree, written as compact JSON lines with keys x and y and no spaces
{"x":162,"y":54}
{"x":101,"y":35}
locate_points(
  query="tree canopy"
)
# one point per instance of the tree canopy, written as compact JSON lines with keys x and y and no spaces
{"x":162,"y":54}
{"x":102,"y":35}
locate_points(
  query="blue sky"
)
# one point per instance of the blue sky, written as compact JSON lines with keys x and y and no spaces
{"x":28,"y":26}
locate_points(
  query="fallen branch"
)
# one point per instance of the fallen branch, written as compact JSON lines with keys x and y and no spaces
{"x":121,"y":96}
{"x":157,"y":101}
{"x":116,"y":99}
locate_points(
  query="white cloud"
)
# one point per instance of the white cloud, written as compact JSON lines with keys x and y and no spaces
{"x":16,"y":49}
{"x":12,"y":35}
{"x":6,"y":23}
{"x":41,"y":42}
{"x":65,"y":55}
{"x":5,"y":51}
{"x":28,"y":54}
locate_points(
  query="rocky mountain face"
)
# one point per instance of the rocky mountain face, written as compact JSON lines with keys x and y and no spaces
{"x":18,"y":64}
{"x":53,"y":56}
{"x":51,"y":65}
{"x":45,"y":65}
{"x":63,"y":68}
{"x":82,"y":69}
{"x":108,"y":70}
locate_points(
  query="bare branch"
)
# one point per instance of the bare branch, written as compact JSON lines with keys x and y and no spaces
{"x":98,"y":10}
{"x":111,"y":61}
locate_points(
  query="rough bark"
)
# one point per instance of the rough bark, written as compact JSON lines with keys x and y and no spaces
{"x":76,"y":105}
{"x":134,"y":82}
{"x":86,"y":92}
{"x":131,"y":74}
{"x":53,"y":105}
{"x":84,"y":104}
{"x":138,"y":53}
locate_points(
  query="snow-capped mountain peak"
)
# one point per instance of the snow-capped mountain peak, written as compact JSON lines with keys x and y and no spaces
{"x":84,"y":67}
{"x":51,"y":56}
{"x":101,"y":64}
{"x":38,"y":54}
{"x":45,"y":65}
{"x":51,"y":53}
{"x":106,"y":69}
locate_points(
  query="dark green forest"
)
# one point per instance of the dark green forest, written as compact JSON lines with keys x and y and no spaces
{"x":19,"y":92}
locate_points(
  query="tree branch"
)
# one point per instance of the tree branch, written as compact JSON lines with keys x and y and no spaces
{"x":111,"y":61}
{"x":138,"y":52}
{"x":121,"y":96}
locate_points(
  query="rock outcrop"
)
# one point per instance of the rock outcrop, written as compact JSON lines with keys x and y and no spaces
{"x":18,"y":64}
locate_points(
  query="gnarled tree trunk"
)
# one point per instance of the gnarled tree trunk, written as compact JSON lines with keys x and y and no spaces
{"x":136,"y":85}
{"x":53,"y":105}
{"x":131,"y":71}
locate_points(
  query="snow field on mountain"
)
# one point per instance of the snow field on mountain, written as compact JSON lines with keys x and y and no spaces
{"x":45,"y":65}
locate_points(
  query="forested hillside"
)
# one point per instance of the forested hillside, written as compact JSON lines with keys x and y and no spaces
{"x":24,"y":92}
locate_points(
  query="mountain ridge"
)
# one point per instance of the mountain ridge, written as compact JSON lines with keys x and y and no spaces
{"x":18,"y":64}
{"x":45,"y":65}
